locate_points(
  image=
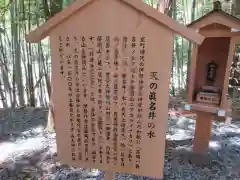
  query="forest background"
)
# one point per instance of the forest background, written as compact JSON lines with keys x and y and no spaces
{"x":25,"y":69}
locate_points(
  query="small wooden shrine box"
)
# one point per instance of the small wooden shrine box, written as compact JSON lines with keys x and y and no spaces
{"x":211,"y":62}
{"x":107,"y":58}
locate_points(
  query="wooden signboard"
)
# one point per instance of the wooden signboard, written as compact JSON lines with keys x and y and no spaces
{"x":110,"y":77}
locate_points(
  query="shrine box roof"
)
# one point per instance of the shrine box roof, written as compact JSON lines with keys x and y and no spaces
{"x":216,"y":17}
{"x":109,"y":11}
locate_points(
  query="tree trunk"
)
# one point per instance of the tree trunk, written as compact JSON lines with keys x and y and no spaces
{"x":190,"y":44}
{"x":18,"y":68}
{"x":3,"y":98}
{"x":51,"y":119}
{"x":31,"y":86}
{"x":165,"y":6}
{"x":236,"y":8}
{"x":55,"y":6}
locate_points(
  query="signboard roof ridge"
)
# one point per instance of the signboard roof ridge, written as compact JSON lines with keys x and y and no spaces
{"x":216,"y":16}
{"x":41,"y":32}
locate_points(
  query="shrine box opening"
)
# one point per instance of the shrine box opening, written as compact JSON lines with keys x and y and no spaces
{"x":211,"y":64}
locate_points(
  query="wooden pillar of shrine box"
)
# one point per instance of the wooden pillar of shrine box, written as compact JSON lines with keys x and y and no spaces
{"x":111,"y":66}
{"x":210,"y":70}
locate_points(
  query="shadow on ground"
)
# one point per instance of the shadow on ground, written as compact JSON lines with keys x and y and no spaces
{"x":13,"y":122}
{"x":33,"y":154}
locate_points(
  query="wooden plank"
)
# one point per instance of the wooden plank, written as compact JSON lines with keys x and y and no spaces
{"x":202,"y":132}
{"x":224,"y":102}
{"x":192,"y":73}
{"x":218,"y":33}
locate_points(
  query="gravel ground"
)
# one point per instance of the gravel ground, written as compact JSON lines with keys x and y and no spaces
{"x":32,"y":155}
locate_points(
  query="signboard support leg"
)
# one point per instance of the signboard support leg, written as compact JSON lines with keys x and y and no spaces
{"x":109,"y":176}
{"x":202,"y":132}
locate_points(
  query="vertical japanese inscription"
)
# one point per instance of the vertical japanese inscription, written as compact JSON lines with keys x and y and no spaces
{"x":93,"y":99}
{"x":71,"y":96}
{"x":152,"y":103}
{"x":131,"y":98}
{"x":76,"y":56}
{"x":108,"y":99}
{"x":140,"y":98}
{"x":115,"y":99}
{"x":85,"y":98}
{"x":99,"y":49}
{"x":61,"y":54}
{"x":123,"y":119}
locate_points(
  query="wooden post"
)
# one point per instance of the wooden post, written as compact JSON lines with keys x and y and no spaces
{"x":109,"y":176}
{"x":202,"y":132}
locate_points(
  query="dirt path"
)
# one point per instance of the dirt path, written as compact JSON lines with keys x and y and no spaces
{"x":32,"y":155}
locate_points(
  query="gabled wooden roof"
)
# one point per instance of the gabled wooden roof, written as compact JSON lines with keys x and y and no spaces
{"x":216,"y":16}
{"x":43,"y":31}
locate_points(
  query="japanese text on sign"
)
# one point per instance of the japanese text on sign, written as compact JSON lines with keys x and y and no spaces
{"x":106,"y":77}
